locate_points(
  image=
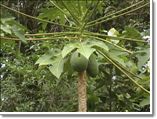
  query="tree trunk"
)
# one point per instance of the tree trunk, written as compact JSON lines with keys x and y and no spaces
{"x":82,"y":93}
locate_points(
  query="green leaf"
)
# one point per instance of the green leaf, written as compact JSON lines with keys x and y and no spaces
{"x":68,"y":49}
{"x":95,"y":44}
{"x":57,"y":67}
{"x":67,"y":67}
{"x":145,"y":101}
{"x":19,"y":34}
{"x":45,"y":59}
{"x":85,"y":50}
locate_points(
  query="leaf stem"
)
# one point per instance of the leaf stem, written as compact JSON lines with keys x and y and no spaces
{"x":54,"y":33}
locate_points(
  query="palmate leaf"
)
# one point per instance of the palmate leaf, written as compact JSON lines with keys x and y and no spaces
{"x":113,"y":53}
{"x":57,"y":67}
{"x":67,"y":67}
{"x":94,"y":44}
{"x":55,"y":61}
{"x":46,"y":58}
{"x":68,"y":49}
{"x":85,"y":50}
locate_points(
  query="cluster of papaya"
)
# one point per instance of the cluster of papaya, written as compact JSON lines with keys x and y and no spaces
{"x":79,"y":63}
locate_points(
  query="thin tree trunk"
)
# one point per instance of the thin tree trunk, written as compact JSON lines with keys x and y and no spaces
{"x":82,"y":93}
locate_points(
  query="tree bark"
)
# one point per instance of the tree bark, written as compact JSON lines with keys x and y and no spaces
{"x":82,"y":93}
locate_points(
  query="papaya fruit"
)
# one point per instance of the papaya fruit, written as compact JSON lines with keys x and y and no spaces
{"x":78,"y":62}
{"x":92,"y":68}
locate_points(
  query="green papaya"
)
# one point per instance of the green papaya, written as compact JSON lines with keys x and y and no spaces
{"x":78,"y":62}
{"x":92,"y":68}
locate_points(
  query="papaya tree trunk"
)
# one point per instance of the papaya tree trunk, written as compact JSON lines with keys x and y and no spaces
{"x":82,"y":93}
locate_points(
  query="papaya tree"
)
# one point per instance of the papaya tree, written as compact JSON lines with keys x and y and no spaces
{"x":85,"y":49}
